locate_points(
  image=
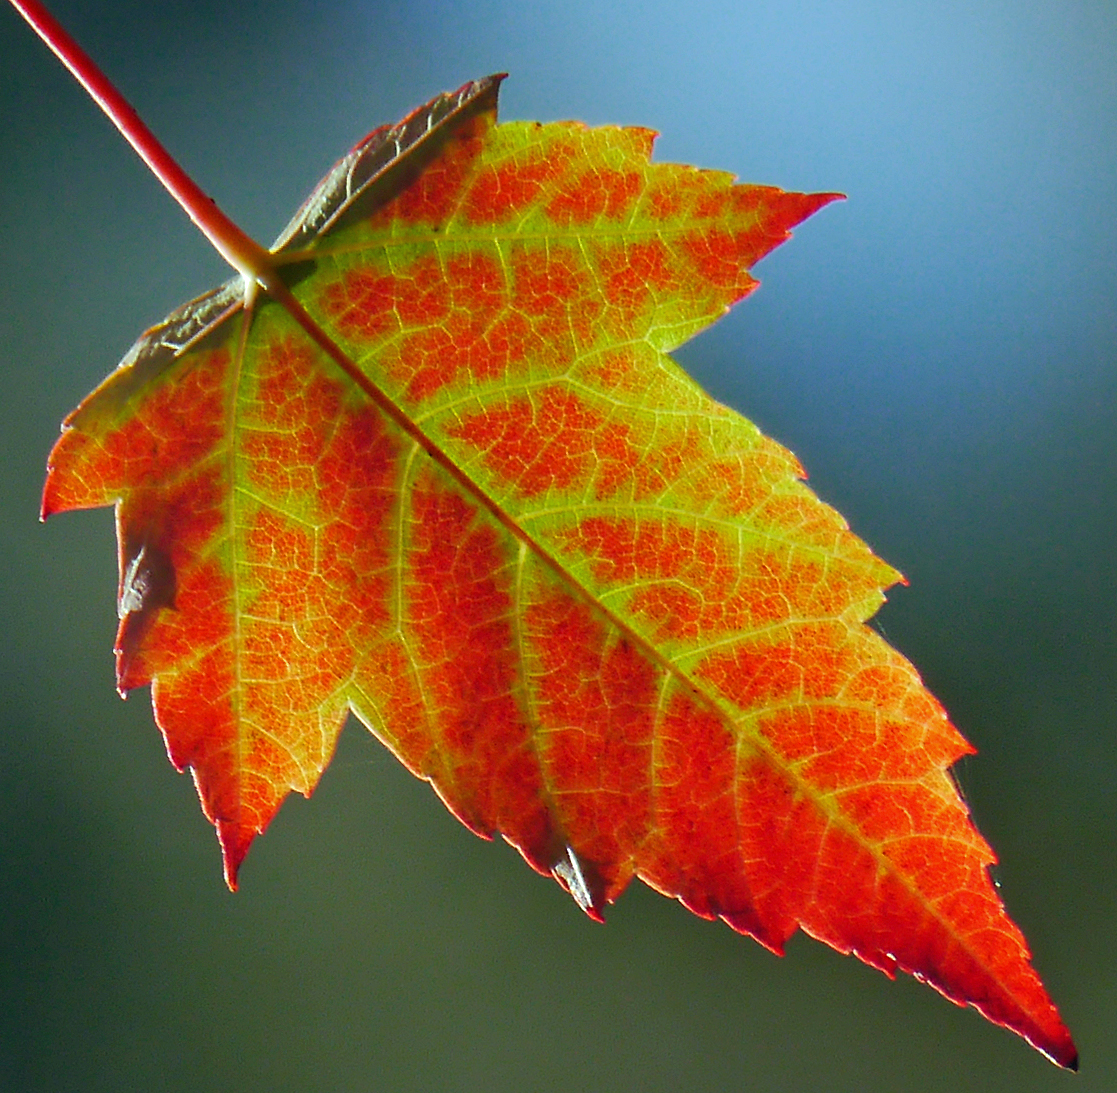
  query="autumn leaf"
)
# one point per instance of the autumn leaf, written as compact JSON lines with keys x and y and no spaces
{"x":440,"y":472}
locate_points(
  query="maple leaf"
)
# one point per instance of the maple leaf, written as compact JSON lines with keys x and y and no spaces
{"x":440,"y":472}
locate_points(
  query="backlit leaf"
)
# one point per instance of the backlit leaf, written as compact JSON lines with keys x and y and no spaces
{"x":460,"y":490}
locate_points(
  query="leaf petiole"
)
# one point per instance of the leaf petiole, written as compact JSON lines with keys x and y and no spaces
{"x":252,"y":261}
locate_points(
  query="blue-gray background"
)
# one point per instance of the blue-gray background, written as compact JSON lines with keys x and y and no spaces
{"x":941,"y":352}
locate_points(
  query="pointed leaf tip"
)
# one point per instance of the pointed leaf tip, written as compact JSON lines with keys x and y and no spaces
{"x":235,"y":842}
{"x":583,"y":881}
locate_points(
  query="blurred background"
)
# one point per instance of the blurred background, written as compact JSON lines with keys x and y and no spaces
{"x":940,"y":351}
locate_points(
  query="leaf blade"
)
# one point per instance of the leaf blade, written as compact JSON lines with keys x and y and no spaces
{"x":599,"y":612}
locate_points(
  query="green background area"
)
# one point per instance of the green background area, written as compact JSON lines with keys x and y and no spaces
{"x":939,"y":351}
